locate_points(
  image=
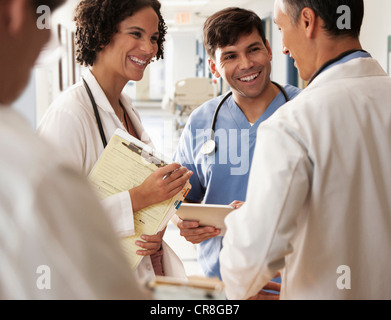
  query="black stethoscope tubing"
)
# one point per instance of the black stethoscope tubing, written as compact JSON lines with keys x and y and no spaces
{"x":336,"y":59}
{"x":98,"y":120}
{"x":209,"y":147}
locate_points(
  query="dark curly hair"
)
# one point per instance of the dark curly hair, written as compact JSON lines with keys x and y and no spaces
{"x":97,"y":21}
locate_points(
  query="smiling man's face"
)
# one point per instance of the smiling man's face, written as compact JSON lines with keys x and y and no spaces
{"x":245,"y":65}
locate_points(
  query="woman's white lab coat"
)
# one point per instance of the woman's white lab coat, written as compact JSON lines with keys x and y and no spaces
{"x":70,"y":124}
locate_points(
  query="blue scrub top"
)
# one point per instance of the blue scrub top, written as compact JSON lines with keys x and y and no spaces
{"x":221,"y":178}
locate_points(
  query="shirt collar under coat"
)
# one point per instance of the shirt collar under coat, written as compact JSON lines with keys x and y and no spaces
{"x":354,"y":68}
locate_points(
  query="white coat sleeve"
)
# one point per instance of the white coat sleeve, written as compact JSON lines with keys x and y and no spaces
{"x":78,"y":245}
{"x":68,"y":130}
{"x":120,"y":212}
{"x":259,"y":234}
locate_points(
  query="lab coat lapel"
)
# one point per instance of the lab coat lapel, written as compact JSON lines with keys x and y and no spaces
{"x":99,"y":96}
{"x":104,"y":104}
{"x":136,"y":120}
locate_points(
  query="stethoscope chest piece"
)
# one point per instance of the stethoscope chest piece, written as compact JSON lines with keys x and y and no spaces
{"x":208,"y":148}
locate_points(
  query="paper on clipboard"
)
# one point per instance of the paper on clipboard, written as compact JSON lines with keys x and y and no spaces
{"x":124,"y":164}
{"x":206,"y":214}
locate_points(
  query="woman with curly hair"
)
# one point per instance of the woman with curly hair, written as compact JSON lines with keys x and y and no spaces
{"x":116,"y":40}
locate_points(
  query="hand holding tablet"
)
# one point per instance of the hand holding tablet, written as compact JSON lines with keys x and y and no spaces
{"x":206,"y":214}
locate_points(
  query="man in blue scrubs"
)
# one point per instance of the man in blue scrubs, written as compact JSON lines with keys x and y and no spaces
{"x":239,"y":53}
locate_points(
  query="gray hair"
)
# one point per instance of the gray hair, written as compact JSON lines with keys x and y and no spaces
{"x":327,"y":10}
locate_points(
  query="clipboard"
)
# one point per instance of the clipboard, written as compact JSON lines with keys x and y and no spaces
{"x":191,"y":288}
{"x":124,"y":164}
{"x":206,"y":214}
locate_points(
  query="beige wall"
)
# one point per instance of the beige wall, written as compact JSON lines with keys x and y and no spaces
{"x":376,"y":29}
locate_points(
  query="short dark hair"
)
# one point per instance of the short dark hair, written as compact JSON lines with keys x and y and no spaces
{"x":97,"y":21}
{"x":226,"y":26}
{"x":327,"y":11}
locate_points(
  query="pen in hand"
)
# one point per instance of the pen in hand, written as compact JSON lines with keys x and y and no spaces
{"x":169,"y":174}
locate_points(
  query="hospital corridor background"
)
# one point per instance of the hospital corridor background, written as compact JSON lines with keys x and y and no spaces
{"x":158,"y":96}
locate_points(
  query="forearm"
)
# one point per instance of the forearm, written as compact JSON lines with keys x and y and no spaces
{"x":138,"y":201}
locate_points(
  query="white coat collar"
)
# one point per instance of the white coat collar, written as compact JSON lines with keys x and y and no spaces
{"x":356,"y":68}
{"x":96,"y":90}
{"x":100,"y":97}
{"x":104,"y":104}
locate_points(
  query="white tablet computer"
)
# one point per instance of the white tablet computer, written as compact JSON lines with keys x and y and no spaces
{"x":206,"y":214}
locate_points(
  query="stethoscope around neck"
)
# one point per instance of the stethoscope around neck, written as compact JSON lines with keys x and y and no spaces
{"x":96,"y":112}
{"x":210,"y":146}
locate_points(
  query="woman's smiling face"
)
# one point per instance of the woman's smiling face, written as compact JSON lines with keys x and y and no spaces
{"x":133,"y":47}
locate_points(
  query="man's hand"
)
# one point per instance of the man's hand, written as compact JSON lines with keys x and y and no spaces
{"x":192,"y":231}
{"x":263,"y":295}
{"x":236,"y":204}
{"x":271,"y":286}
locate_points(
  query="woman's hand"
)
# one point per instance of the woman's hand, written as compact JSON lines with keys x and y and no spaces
{"x":151,"y":244}
{"x":161,"y":185}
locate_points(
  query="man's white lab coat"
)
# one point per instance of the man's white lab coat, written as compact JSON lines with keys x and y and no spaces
{"x":318,"y":205}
